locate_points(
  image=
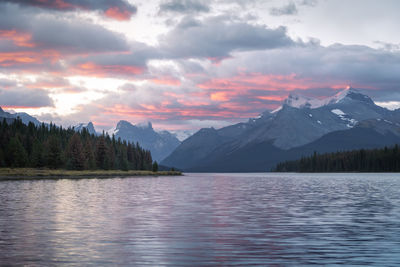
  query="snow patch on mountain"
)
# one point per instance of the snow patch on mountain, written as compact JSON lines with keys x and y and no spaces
{"x":89,"y":126}
{"x":338,"y":112}
{"x":276,"y":110}
{"x":343,"y":116}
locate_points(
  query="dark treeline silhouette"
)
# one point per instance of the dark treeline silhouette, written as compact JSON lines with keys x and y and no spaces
{"x":374,"y":160}
{"x":51,"y":146}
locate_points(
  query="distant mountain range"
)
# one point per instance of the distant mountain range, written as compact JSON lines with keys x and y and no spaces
{"x":349,"y":120}
{"x":89,"y":126}
{"x":160,"y":143}
{"x":26,"y":118}
{"x":302,"y":125}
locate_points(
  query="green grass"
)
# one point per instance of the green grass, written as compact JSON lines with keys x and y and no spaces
{"x":29,"y":173}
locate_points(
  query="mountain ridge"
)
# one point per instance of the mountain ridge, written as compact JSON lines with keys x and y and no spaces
{"x":161,"y":144}
{"x":288,"y":131}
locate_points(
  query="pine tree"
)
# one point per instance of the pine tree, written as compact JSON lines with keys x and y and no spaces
{"x":54,"y":153}
{"x":17,"y":156}
{"x":38,"y":158}
{"x":76,"y":160}
{"x":44,"y":144}
{"x":89,"y":156}
{"x":101,"y":153}
{"x":2,"y":162}
{"x":155,"y":166}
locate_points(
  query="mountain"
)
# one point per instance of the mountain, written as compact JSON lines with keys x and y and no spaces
{"x":26,"y":118}
{"x":344,"y":121}
{"x":161,"y":144}
{"x":182,"y":134}
{"x":89,"y":126}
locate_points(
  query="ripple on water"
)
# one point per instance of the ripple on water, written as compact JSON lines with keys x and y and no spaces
{"x":203,"y":219}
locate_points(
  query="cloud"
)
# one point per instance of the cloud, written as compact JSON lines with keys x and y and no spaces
{"x":48,"y":83}
{"x":93,"y":69}
{"x":32,"y":41}
{"x":6,"y":83}
{"x":115,"y":9}
{"x":248,"y":82}
{"x":75,"y":36}
{"x":289,"y":9}
{"x":310,"y":3}
{"x":216,"y":37}
{"x":22,"y":97}
{"x":120,"y":65}
{"x":27,"y":29}
{"x":185,"y":6}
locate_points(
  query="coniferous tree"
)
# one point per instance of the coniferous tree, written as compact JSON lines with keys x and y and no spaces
{"x":54,"y":160}
{"x":38,"y":158}
{"x":101,"y":153}
{"x":75,"y":156}
{"x":155,"y":166}
{"x":2,"y":162}
{"x":17,"y":156}
{"x":44,"y":144}
{"x":374,"y":160}
{"x":89,"y":156}
{"x":130,"y":156}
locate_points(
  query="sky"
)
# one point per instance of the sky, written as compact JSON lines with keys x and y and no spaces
{"x":186,"y":64}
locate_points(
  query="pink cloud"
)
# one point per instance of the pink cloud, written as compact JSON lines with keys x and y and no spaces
{"x":167,"y":80}
{"x":20,"y":39}
{"x":93,"y":69}
{"x":118,"y":13}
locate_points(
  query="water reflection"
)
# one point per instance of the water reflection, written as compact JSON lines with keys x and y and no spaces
{"x":200,"y":219}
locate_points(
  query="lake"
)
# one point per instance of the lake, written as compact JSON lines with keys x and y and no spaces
{"x":203,"y":219}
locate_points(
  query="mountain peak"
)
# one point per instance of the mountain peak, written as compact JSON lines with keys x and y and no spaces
{"x":300,"y":101}
{"x":348,"y":94}
{"x":123,"y":123}
{"x":145,"y":125}
{"x":89,"y":126}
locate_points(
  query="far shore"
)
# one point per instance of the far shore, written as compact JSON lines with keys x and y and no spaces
{"x":37,"y":174}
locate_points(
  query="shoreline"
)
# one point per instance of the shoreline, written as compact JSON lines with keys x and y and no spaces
{"x":7,"y":174}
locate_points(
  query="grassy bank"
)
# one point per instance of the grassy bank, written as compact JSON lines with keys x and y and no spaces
{"x":28,"y":173}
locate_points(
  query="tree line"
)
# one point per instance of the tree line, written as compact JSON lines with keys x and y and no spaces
{"x":372,"y":160}
{"x":51,"y":146}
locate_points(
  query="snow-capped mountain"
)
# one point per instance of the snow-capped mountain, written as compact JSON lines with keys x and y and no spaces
{"x":182,"y":134}
{"x":299,"y":101}
{"x":299,"y":122}
{"x":89,"y":126}
{"x":161,"y":144}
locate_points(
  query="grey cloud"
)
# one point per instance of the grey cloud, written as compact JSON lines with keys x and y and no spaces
{"x":185,"y":6}
{"x":217,"y":37}
{"x":388,"y":46}
{"x":139,"y":56}
{"x":67,"y":5}
{"x":359,"y":66}
{"x":289,"y":9}
{"x":6,"y":83}
{"x":53,"y":32}
{"x":76,"y":36}
{"x":310,"y":3}
{"x":25,"y":98}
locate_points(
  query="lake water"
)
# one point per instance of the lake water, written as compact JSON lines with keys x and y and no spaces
{"x":203,"y":219}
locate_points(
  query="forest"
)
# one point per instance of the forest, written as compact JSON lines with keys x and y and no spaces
{"x":51,"y":146}
{"x":373,"y":160}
